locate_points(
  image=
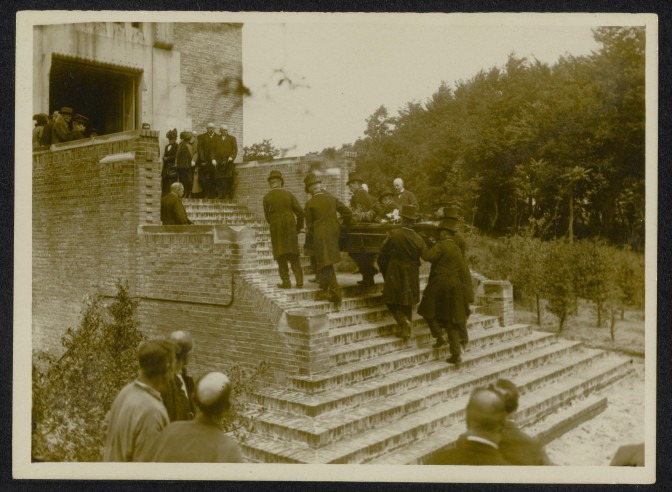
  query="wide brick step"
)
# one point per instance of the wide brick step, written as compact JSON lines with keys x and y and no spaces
{"x":490,"y":349}
{"x":377,"y":346}
{"x":373,"y":443}
{"x":413,"y":390}
{"x":574,"y":396}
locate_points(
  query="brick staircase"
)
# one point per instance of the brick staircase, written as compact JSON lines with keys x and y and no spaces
{"x":391,"y":401}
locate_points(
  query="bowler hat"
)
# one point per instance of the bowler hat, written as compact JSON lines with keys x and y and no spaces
{"x":310,"y":180}
{"x":275,"y":174}
{"x":354,"y":176}
{"x":449,"y":223}
{"x":65,"y":110}
{"x":448,"y":211}
{"x":409,"y":212}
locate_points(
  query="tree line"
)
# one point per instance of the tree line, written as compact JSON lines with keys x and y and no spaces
{"x":550,"y":150}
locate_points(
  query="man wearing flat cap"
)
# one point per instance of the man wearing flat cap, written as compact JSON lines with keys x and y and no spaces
{"x":137,"y":414}
{"x":324,"y":229}
{"x":203,"y":439}
{"x":285,"y":218}
{"x":226,"y":152}
{"x":399,"y":261}
{"x":60,"y":131}
{"x":445,"y":301}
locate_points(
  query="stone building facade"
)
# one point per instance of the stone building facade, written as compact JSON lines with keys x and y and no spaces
{"x":121,"y":74}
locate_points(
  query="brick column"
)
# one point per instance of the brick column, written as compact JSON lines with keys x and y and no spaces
{"x":496,"y":297}
{"x":307,"y":335}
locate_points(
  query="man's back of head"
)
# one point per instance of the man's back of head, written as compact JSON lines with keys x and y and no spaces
{"x":184,"y":343}
{"x":486,"y":413}
{"x":156,"y":358}
{"x":213,"y":395}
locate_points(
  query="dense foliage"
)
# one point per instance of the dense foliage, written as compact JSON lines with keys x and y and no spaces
{"x":554,"y":275}
{"x":264,"y":151}
{"x":73,"y":393}
{"x":558,"y":150}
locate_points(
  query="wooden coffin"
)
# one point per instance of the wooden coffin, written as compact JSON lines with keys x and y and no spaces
{"x":367,"y":238}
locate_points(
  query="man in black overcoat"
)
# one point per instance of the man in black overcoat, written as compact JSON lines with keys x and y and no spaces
{"x":207,"y":143}
{"x":361,"y":203}
{"x":226,"y":150}
{"x":324,"y":229}
{"x":404,"y":197}
{"x":178,"y":394}
{"x":172,"y":210}
{"x":285,"y":218}
{"x":399,"y":261}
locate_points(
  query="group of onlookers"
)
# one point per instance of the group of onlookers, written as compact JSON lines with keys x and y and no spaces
{"x":203,"y":164}
{"x":165,"y":416}
{"x":61,"y":126}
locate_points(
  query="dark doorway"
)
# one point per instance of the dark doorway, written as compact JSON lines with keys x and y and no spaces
{"x":107,"y":96}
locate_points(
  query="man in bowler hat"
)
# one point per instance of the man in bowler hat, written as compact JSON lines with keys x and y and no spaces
{"x":285,"y":218}
{"x":361,"y":203}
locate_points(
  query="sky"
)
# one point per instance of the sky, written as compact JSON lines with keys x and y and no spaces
{"x":344,"y":69}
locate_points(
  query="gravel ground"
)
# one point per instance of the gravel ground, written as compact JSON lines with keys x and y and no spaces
{"x":595,"y":442}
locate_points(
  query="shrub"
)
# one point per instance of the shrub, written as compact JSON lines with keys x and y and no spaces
{"x":594,"y":274}
{"x":558,"y":288}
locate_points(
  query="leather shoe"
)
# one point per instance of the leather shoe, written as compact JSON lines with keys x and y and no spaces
{"x":454,"y":359}
{"x":299,"y":286}
{"x":284,"y":285}
{"x":440,"y":342}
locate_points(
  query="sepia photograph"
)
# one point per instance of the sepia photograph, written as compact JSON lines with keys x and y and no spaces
{"x":320,"y":246}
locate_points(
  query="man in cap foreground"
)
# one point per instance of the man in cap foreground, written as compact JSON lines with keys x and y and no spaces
{"x":177,"y":396}
{"x":137,"y":414}
{"x":449,"y":291}
{"x":479,"y":445}
{"x":517,"y":447}
{"x":285,"y":218}
{"x":202,"y":440}
{"x":399,"y":261}
{"x":324,"y":229}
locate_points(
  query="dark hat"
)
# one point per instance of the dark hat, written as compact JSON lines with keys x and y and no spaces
{"x":310,"y":180}
{"x":386,"y":191}
{"x":170,"y":134}
{"x":276,"y":175}
{"x":448,"y":211}
{"x":41,"y":118}
{"x":65,"y":110}
{"x":409,"y":212}
{"x":80,"y":118}
{"x":354,"y":176}
{"x":155,"y":356}
{"x":449,"y":223}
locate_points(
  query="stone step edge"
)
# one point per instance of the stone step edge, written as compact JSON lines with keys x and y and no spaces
{"x":441,"y":370}
{"x":352,"y":445}
{"x":442,"y":384}
{"x":369,"y":364}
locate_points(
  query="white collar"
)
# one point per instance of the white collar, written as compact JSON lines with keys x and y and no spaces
{"x":482,"y":440}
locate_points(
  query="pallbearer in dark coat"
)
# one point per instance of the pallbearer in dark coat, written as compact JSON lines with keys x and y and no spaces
{"x":285,"y":217}
{"x":399,"y":261}
{"x":323,"y":226}
{"x":449,"y":291}
{"x":361,"y":203}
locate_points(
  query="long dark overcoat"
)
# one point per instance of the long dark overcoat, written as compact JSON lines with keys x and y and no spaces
{"x":172,"y":210}
{"x":400,"y":263}
{"x":323,"y":227}
{"x":449,"y":287}
{"x":285,"y":218}
{"x":225,"y":147}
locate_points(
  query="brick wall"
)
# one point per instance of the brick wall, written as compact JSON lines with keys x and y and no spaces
{"x":185,"y":282}
{"x":88,"y":199}
{"x":252,"y":179}
{"x":210,"y":54}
